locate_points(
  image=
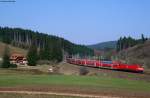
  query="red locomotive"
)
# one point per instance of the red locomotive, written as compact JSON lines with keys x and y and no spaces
{"x":106,"y":64}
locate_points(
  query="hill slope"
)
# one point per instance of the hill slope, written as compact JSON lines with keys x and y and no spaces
{"x":139,"y":54}
{"x":12,"y":49}
{"x":104,"y":45}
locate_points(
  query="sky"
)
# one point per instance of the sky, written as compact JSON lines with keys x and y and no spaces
{"x":79,"y":21}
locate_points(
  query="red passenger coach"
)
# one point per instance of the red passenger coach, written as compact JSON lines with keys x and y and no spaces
{"x":106,"y":64}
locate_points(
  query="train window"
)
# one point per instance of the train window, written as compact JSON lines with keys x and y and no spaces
{"x":107,"y":62}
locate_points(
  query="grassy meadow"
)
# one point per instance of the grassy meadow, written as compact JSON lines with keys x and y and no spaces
{"x":14,"y":79}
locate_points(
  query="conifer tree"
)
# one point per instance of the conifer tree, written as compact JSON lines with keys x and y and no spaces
{"x":6,"y":61}
{"x":32,"y":56}
{"x":57,"y":54}
{"x":143,"y":38}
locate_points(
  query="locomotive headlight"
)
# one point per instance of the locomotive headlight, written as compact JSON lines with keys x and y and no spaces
{"x":141,"y":69}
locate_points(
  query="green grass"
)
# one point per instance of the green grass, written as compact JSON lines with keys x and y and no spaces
{"x":8,"y":80}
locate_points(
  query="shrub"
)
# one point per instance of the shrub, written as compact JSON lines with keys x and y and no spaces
{"x":83,"y":70}
{"x":13,"y":66}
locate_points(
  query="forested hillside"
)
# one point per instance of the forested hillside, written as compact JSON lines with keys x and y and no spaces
{"x":127,"y":42}
{"x":104,"y":45}
{"x":49,"y":47}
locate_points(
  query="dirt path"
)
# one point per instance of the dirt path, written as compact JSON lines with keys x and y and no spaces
{"x":59,"y":94}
